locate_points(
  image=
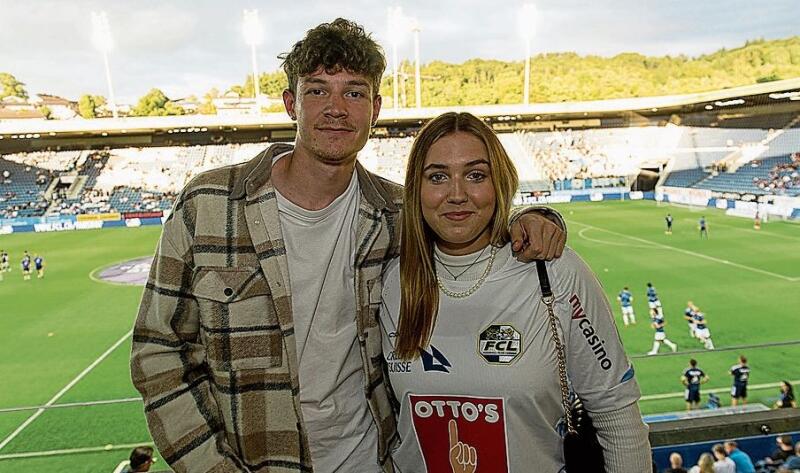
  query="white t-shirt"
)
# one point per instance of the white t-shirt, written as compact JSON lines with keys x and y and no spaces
{"x":491,"y":366}
{"x":726,"y":465}
{"x":320,"y":247}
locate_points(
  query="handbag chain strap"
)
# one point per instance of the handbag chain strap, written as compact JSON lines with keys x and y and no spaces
{"x":548,"y":299}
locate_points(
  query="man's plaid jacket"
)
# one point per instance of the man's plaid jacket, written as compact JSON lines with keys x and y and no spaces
{"x":214,"y":353}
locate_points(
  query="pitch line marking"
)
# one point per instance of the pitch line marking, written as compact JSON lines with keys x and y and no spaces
{"x":751,"y":230}
{"x":582,"y":234}
{"x":655,"y":397}
{"x":690,"y":253}
{"x":72,"y":404}
{"x":63,"y":391}
{"x":731,"y":348}
{"x":68,"y":451}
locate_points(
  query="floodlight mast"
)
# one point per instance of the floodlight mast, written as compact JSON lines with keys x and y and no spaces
{"x":103,"y":42}
{"x":253,"y":36}
{"x":527,"y":20}
{"x":417,"y":80}
{"x":394,"y":18}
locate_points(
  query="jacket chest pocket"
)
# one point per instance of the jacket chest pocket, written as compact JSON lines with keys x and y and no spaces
{"x":239,"y":326}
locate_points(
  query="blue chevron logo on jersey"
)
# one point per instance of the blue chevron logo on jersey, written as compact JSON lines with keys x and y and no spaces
{"x":435,"y":361}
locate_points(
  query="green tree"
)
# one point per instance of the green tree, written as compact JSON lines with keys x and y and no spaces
{"x":10,"y":86}
{"x":559,"y":77}
{"x":46,"y":112}
{"x":272,"y":84}
{"x":769,"y":78}
{"x":87,"y":106}
{"x":207,"y":107}
{"x":154,"y":104}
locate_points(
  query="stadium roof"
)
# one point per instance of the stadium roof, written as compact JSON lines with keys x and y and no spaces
{"x":34,"y":130}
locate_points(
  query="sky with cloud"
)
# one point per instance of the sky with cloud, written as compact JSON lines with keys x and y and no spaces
{"x":187,"y":47}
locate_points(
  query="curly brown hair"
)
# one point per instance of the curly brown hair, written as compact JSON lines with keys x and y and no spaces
{"x":339,"y":45}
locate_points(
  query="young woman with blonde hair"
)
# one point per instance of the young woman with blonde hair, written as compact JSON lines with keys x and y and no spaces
{"x":470,"y":353}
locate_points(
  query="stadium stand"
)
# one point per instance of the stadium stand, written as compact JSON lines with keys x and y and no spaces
{"x":776,"y":176}
{"x":686,"y":177}
{"x":22,"y":188}
{"x":755,"y":432}
{"x":753,"y":160}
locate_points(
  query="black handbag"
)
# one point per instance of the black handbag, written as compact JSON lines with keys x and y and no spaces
{"x":582,"y":451}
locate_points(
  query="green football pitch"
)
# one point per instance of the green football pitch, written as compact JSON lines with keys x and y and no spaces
{"x":65,"y":339}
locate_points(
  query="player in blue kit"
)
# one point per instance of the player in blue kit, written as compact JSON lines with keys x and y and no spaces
{"x":652,"y":298}
{"x":692,"y":378}
{"x":701,"y":331}
{"x":38,"y":262}
{"x":688,"y":315}
{"x":26,"y":267}
{"x":703,"y":227}
{"x":625,"y":299}
{"x":657,"y":322}
{"x":4,"y":266}
{"x":741,"y":375}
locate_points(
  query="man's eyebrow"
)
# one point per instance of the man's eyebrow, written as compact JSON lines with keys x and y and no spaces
{"x":352,"y":82}
{"x":358,"y":82}
{"x":315,"y":80}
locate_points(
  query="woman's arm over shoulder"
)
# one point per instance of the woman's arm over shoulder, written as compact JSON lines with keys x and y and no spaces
{"x":598,"y":368}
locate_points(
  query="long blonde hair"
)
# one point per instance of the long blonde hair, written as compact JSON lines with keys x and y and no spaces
{"x":419,"y":294}
{"x":706,"y":463}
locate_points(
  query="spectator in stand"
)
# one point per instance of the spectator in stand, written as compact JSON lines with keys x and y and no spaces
{"x":742,"y":460}
{"x":723,"y":463}
{"x":787,"y":396}
{"x":793,"y":462}
{"x":141,"y":460}
{"x":783,"y":451}
{"x":675,"y":463}
{"x":704,"y":465}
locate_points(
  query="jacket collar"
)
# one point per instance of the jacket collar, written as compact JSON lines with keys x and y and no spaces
{"x":257,"y":173}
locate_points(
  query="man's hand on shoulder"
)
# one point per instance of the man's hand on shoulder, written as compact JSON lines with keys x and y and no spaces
{"x":534,"y":236}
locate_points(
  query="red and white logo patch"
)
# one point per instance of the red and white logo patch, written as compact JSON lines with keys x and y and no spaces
{"x":461,"y":434}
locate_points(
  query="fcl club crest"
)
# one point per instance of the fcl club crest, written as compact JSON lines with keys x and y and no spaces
{"x":500,"y":344}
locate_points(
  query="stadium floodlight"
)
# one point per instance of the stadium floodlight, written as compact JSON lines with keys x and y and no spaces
{"x":414,"y":23}
{"x":103,"y":42}
{"x":253,"y":36}
{"x":527,"y":20}
{"x":394,"y":20}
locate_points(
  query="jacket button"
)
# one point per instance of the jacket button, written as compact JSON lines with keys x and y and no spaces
{"x":228,"y":291}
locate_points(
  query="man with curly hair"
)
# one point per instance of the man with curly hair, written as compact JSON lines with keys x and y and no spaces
{"x":256,"y":347}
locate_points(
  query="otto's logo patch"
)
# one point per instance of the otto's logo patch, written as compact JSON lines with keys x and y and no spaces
{"x":444,"y":424}
{"x":500,"y":344}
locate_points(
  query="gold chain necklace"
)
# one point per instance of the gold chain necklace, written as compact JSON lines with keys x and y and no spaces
{"x":455,"y":278}
{"x":478,"y":283}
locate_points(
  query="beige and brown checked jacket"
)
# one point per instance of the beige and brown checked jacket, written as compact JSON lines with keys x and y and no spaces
{"x":214,"y":354}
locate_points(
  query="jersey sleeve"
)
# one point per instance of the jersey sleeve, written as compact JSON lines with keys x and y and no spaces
{"x":597,"y":366}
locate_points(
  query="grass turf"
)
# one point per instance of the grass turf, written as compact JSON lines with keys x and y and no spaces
{"x":746,"y":281}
